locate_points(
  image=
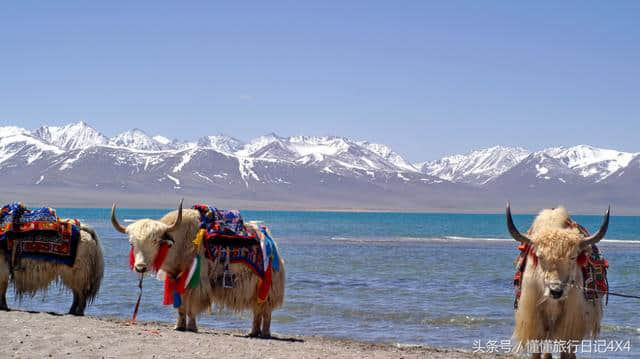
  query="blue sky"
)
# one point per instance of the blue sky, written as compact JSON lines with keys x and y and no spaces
{"x":427,"y":78}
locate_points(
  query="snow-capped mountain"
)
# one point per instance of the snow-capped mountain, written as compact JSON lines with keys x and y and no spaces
{"x":538,"y":169}
{"x":388,"y":154}
{"x":302,"y":169}
{"x":138,"y":140}
{"x":71,"y":137}
{"x":591,"y":162}
{"x":221,"y":143}
{"x":331,"y":153}
{"x":477,"y":167}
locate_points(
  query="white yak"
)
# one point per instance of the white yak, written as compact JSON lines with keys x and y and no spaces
{"x":33,"y":275}
{"x":552,"y":305}
{"x":179,"y":229}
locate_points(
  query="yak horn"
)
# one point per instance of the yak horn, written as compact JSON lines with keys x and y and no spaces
{"x":178,"y":220}
{"x":596,"y":237}
{"x":114,"y":221}
{"x":513,"y":230}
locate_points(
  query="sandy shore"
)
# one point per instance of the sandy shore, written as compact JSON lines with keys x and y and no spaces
{"x":36,"y":335}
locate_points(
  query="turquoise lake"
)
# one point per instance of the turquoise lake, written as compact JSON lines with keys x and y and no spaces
{"x":436,"y":279}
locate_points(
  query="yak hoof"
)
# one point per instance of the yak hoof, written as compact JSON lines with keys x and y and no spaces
{"x":193,"y":330}
{"x":265,"y":336}
{"x":181,"y":329}
{"x":254,"y":335}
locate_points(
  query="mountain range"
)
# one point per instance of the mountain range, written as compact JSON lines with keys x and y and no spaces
{"x":76,"y":165}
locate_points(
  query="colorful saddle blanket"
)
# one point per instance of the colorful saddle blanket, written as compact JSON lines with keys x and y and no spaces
{"x":227,"y":239}
{"x":594,"y":269}
{"x":37,"y":234}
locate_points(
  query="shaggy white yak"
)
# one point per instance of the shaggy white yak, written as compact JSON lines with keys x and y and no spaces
{"x":83,"y":278}
{"x":179,"y":229}
{"x":551,"y":306}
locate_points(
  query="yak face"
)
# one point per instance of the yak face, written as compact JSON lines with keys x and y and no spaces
{"x":150,"y":240}
{"x":557,"y":248}
{"x":557,"y":253}
{"x":147,"y":237}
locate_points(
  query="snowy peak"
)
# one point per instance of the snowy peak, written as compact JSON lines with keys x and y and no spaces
{"x":386,"y":153}
{"x":6,"y":131}
{"x":477,"y":167}
{"x":136,"y":139}
{"x":70,"y":137}
{"x":332,"y":153}
{"x":221,"y":143}
{"x":591,"y":162}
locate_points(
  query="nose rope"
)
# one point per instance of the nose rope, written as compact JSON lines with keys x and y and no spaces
{"x":605,"y":292}
{"x":135,"y":310}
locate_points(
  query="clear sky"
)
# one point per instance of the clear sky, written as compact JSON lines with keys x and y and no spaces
{"x":427,"y":78}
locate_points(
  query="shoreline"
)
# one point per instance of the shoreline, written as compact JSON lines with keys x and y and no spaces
{"x":40,"y":334}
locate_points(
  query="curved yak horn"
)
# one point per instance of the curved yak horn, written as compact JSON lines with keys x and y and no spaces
{"x":114,"y":221}
{"x":596,"y":237}
{"x":513,"y":230}
{"x":178,"y":220}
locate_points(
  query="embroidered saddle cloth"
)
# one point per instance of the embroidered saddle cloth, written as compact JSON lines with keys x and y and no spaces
{"x":227,"y":239}
{"x":37,"y":234}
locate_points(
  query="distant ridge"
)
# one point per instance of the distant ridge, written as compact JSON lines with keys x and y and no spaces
{"x":308,"y":171}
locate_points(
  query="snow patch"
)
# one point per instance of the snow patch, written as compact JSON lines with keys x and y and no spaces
{"x":174,"y":180}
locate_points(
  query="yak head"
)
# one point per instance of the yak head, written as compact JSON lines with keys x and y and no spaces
{"x":150,"y":240}
{"x":556,"y":248}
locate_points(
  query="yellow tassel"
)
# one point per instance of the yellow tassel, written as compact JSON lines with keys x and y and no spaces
{"x":199,"y":238}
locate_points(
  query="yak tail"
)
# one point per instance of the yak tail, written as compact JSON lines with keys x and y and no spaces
{"x":96,"y":268}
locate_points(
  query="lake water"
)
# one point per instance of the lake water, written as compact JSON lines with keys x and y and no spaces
{"x":436,"y":279}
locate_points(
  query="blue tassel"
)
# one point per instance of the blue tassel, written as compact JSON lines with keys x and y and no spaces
{"x":177,"y":302}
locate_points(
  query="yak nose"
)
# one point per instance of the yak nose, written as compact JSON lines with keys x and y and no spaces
{"x":556,"y":293}
{"x":141,"y":268}
{"x":555,"y":289}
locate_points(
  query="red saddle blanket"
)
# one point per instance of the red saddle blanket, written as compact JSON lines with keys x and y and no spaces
{"x":37,"y":234}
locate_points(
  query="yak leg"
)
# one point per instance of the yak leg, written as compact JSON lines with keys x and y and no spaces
{"x":79,"y":304}
{"x":192,"y":326}
{"x":266,"y":324}
{"x":257,"y":320}
{"x":4,"y":283}
{"x":547,"y":356}
{"x":566,"y":355}
{"x":189,"y":303}
{"x":181,"y":324}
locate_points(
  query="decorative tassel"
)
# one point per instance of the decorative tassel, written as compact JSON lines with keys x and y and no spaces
{"x":177,"y":301}
{"x":194,"y":274}
{"x":132,"y":259}
{"x":160,"y":257}
{"x":199,"y":237}
{"x":265,"y":284}
{"x":582,"y":259}
{"x":168,"y":291}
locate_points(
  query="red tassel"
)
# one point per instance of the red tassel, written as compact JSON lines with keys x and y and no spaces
{"x":582,"y":260}
{"x":132,"y":258}
{"x":263,"y":290}
{"x":169,"y":285}
{"x":182,"y":282}
{"x":160,"y":257}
